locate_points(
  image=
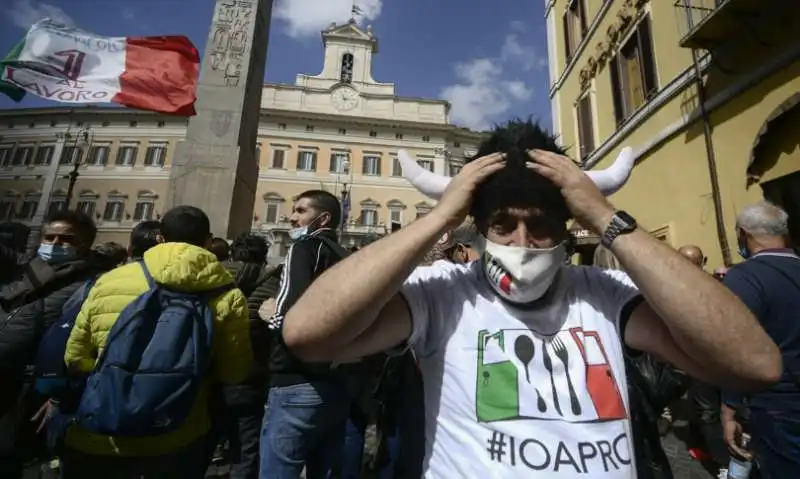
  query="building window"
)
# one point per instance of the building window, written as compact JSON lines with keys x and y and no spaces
{"x":126,"y":155}
{"x":22,"y":156}
{"x":278,"y":157}
{"x":44,"y":155}
{"x":398,"y":136}
{"x":156,"y":155}
{"x":633,"y":73}
{"x":456,"y":144}
{"x":423,"y":209}
{"x":342,"y":131}
{"x":373,"y":133}
{"x":426,"y":138}
{"x":87,"y":205}
{"x":59,"y":204}
{"x":575,"y":26}
{"x":144,"y":210}
{"x":281,"y":126}
{"x":272,"y":213}
{"x":115,"y":207}
{"x":309,"y":128}
{"x":307,"y":161}
{"x":396,"y":208}
{"x":338,"y":162}
{"x":347,"y":68}
{"x":71,"y":155}
{"x":5,"y":156}
{"x":161,"y":124}
{"x":585,"y":126}
{"x":272,"y":202}
{"x":427,"y":164}
{"x":453,"y":168}
{"x":369,"y":217}
{"x":6,"y":209}
{"x":397,"y":170}
{"x":372,"y":165}
{"x":98,"y":155}
{"x":145,"y":206}
{"x":28,"y":209}
{"x":133,"y":124}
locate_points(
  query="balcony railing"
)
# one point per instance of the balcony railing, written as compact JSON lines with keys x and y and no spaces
{"x":708,"y":23}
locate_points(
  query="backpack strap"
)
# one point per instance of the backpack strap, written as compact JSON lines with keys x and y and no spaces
{"x":151,"y":283}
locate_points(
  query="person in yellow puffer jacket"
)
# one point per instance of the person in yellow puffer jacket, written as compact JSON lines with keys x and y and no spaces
{"x":182,"y":263}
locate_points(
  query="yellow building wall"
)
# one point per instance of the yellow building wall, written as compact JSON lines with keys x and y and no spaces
{"x":670,"y":188}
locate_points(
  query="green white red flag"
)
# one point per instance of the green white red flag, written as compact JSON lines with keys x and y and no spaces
{"x":68,"y":65}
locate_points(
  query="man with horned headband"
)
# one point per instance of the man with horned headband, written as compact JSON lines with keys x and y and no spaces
{"x":521,"y":354}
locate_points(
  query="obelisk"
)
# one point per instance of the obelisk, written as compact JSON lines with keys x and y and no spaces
{"x":215,"y":167}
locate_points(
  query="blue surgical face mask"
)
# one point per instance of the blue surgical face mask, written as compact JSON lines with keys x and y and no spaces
{"x":297,"y":233}
{"x":56,"y":253}
{"x":742,"y":248}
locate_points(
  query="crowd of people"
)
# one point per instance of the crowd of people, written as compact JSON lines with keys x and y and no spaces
{"x":469,"y":349}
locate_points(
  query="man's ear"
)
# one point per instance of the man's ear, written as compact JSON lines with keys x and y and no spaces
{"x":326,"y":220}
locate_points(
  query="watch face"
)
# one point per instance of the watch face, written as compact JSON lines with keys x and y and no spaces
{"x":627,"y":219}
{"x":345,"y":98}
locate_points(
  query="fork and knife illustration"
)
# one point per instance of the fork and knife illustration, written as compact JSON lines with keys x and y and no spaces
{"x":524,"y":349}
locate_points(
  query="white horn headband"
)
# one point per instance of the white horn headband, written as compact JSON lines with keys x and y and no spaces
{"x":432,"y":185}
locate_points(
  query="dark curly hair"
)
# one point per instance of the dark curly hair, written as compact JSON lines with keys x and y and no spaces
{"x":516,"y":186}
{"x":250,"y":248}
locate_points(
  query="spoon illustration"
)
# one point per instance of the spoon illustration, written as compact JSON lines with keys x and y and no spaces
{"x":540,"y":401}
{"x":524,"y":349}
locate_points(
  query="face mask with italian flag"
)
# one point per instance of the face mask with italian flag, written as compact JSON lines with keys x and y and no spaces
{"x":68,"y":65}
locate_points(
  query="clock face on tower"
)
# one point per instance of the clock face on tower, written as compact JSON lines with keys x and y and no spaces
{"x":345,"y":98}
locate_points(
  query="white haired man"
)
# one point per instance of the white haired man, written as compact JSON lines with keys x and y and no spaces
{"x":768,"y":282}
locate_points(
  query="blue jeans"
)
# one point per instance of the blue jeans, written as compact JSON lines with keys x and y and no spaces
{"x":776,"y":443}
{"x":353,"y":453}
{"x":304,"y":426}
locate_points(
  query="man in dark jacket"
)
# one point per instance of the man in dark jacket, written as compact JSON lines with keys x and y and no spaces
{"x":32,"y":304}
{"x":244,"y":403}
{"x":308,"y":404}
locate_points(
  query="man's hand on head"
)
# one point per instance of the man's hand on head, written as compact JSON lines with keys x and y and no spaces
{"x":457,"y":198}
{"x":585,"y":200}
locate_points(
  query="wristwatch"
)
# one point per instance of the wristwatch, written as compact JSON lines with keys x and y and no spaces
{"x":621,"y":223}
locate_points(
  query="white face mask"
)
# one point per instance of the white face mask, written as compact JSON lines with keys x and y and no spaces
{"x":519,"y":274}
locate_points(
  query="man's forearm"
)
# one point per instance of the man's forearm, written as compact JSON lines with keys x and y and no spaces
{"x":706,"y":320}
{"x":344,"y":301}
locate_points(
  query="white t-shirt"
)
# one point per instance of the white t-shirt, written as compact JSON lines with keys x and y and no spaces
{"x":493,"y":408}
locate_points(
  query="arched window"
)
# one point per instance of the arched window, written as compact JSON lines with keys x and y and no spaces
{"x":347,"y":68}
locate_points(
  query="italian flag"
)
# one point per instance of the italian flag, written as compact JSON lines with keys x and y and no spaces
{"x":67,"y":65}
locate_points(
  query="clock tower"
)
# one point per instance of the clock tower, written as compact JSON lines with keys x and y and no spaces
{"x":347,"y":67}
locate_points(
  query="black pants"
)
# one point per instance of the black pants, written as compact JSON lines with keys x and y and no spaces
{"x":705,"y":401}
{"x":186,"y":463}
{"x":241,"y":426}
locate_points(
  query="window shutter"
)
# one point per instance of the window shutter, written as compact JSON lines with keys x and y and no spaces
{"x":647,"y":61}
{"x":333,"y":162}
{"x":616,"y":90}
{"x":378,"y":161}
{"x":314,"y":161}
{"x":299,"y":160}
{"x":567,"y":36}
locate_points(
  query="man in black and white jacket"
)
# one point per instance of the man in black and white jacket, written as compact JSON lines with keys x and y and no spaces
{"x":311,"y":435}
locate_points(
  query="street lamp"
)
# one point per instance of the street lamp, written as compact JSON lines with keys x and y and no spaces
{"x":345,"y":198}
{"x":81,"y":142}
